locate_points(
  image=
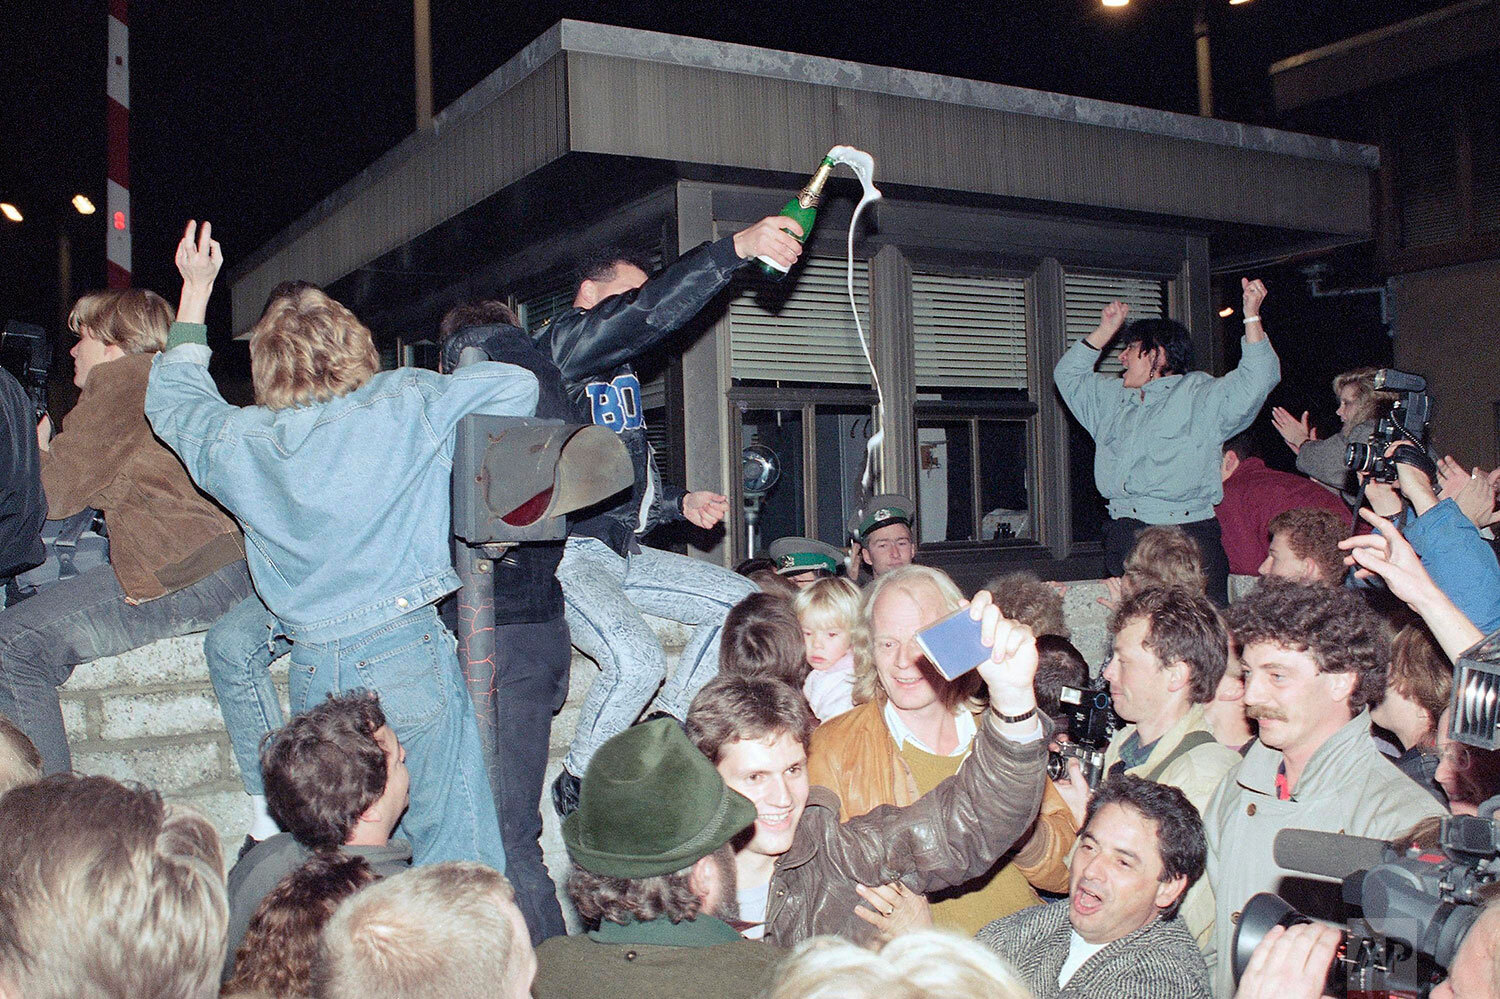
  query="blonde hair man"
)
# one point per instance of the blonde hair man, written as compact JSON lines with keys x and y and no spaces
{"x":447,"y":931}
{"x":109,"y":894}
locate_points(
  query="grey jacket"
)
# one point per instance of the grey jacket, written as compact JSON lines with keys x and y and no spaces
{"x":1347,"y":787}
{"x":1324,"y":460}
{"x":1157,"y":961}
{"x":952,"y":834}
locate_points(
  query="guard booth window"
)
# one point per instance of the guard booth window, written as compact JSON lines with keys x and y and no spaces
{"x":973,"y":410}
{"x":801,"y":405}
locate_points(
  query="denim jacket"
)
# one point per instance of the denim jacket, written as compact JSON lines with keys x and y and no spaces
{"x":1158,"y":449}
{"x":346,"y":504}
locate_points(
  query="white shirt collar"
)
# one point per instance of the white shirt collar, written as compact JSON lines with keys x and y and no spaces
{"x":963,"y":720}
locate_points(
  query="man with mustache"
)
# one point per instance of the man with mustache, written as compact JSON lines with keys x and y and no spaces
{"x":1315,"y":657}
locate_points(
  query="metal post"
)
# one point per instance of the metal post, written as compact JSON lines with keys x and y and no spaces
{"x":1205,"y":68}
{"x":422,"y":50}
{"x":476,"y":637}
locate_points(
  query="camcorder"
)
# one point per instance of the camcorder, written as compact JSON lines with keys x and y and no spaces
{"x":1405,"y":424}
{"x":1091,"y":723}
{"x":1415,"y":904}
{"x":26,"y":353}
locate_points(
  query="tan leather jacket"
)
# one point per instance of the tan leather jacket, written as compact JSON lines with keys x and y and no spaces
{"x":943,"y":839}
{"x":163,"y":533}
{"x":855,"y":755}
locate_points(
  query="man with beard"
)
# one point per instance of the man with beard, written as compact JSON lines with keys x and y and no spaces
{"x":652,"y":865}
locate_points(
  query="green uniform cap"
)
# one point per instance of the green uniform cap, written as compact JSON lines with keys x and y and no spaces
{"x":883,"y":510}
{"x":795,"y":555}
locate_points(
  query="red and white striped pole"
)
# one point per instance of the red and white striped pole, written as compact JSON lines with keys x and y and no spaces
{"x":117,"y":186}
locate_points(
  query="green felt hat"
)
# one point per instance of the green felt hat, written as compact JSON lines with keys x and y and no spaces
{"x":881,"y":511}
{"x":795,"y":555}
{"x":651,"y":804}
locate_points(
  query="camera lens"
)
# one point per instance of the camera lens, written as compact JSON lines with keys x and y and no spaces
{"x":1359,"y":457}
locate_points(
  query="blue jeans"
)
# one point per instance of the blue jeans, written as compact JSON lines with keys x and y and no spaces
{"x":410,"y":662}
{"x":85,"y":618}
{"x":240,"y":649}
{"x":605,"y":596}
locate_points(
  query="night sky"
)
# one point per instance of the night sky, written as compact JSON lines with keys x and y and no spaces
{"x":250,"y":113}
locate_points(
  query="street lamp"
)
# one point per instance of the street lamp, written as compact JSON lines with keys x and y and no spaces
{"x":83,"y":204}
{"x":1200,"y":35}
{"x":10,"y":211}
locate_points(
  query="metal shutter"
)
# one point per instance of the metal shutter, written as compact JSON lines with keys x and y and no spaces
{"x":808,"y":337}
{"x":1085,"y":295}
{"x":970,"y":332}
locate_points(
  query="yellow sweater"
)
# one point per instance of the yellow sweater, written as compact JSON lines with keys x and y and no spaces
{"x":969,"y":907}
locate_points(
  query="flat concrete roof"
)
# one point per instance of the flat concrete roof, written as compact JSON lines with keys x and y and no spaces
{"x":584,"y":88}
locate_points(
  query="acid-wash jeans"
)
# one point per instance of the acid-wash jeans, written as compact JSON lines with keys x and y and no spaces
{"x":412,"y":663}
{"x":605,"y":596}
{"x":85,"y":618}
{"x":239,"y":650}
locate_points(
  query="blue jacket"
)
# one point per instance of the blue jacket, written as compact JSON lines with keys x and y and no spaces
{"x":1158,"y":450}
{"x":1460,"y":562}
{"x":346,"y":504}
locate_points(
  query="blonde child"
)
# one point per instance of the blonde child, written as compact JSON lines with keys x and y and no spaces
{"x":827,"y":610}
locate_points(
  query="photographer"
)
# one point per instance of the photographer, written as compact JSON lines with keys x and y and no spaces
{"x":23,"y":506}
{"x":1170,"y":650}
{"x":1459,"y":561}
{"x":1159,"y":428}
{"x":1315,"y":657}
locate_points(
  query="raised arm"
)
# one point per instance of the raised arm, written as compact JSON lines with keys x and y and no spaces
{"x":198,"y":261}
{"x":1085,"y":391}
{"x":1243,"y":391}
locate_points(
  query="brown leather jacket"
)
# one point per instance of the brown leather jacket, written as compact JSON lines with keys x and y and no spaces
{"x":163,"y":533}
{"x":943,"y":839}
{"x":855,"y":755}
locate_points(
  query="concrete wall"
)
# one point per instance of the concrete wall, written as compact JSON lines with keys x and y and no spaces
{"x":1445,"y":330}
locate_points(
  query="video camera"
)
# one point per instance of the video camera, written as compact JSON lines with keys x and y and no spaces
{"x":1416,"y":905}
{"x":1091,"y":723}
{"x":1405,"y":424}
{"x":26,"y":353}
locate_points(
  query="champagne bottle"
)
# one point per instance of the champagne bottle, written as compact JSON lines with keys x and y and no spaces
{"x":803,"y":208}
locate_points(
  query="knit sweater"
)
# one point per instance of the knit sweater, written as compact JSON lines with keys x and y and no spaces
{"x":1157,"y":961}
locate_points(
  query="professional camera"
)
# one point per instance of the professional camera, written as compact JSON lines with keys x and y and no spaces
{"x":26,"y":353}
{"x":1416,"y":905}
{"x":1091,"y":723}
{"x":1405,"y":424}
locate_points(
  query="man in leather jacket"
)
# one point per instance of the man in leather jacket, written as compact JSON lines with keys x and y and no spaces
{"x":608,"y":578}
{"x":799,"y":873}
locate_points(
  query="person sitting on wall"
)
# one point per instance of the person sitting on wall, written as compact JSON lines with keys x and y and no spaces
{"x":336,"y":780}
{"x":342,"y":476}
{"x":176,"y":560}
{"x":608,"y":578}
{"x":23,"y":505}
{"x":1158,"y":429}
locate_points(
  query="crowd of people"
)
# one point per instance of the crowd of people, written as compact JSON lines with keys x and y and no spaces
{"x":814,"y":809}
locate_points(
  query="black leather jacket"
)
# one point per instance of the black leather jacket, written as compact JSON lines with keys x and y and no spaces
{"x":23,"y":505}
{"x":593,"y":349}
{"x":944,"y":838}
{"x":526,"y":587}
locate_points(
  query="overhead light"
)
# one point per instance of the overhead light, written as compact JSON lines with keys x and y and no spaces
{"x":10,"y":211}
{"x":1236,"y":3}
{"x":1114,"y":3}
{"x":83,"y":204}
{"x":1226,"y":312}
